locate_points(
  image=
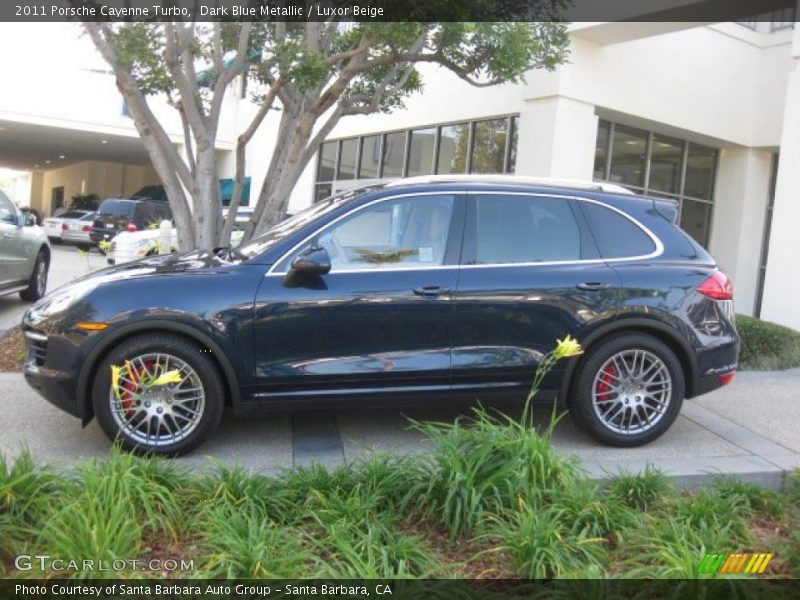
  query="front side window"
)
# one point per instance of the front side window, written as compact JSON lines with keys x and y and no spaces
{"x":405,"y":233}
{"x":525,"y":229}
{"x":7,"y":212}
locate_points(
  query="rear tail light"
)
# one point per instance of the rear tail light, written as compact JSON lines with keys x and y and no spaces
{"x":717,"y":287}
{"x":87,"y":228}
{"x":65,"y":227}
{"x":131,"y":226}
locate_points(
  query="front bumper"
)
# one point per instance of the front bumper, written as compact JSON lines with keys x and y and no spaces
{"x":56,"y":384}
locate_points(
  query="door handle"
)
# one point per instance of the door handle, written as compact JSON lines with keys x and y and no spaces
{"x":6,"y":236}
{"x":431,"y":291}
{"x":593,"y":286}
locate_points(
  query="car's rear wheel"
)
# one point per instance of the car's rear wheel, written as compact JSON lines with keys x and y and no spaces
{"x":170,"y":418}
{"x":628,"y":390}
{"x":37,"y":284}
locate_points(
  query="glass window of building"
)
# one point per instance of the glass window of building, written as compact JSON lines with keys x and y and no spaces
{"x":348,"y":155}
{"x":512,"y":147}
{"x":485,"y":146}
{"x":601,"y":150}
{"x":370,"y":159}
{"x":700,"y":169}
{"x":421,"y":148}
{"x":453,"y":147}
{"x":394,"y":153}
{"x":696,"y":219}
{"x":665,"y":164}
{"x":327,"y":162}
{"x":628,"y":156}
{"x":489,"y":146}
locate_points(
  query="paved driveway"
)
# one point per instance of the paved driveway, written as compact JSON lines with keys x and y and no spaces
{"x":750,"y":428}
{"x":67,"y":264}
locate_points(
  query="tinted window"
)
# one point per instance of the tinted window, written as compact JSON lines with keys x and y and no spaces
{"x":394,"y":234}
{"x":617,"y":236}
{"x":117,"y":207}
{"x":7,"y":212}
{"x":71,"y":215}
{"x":525,"y":229}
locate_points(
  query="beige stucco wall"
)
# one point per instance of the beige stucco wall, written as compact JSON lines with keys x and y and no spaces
{"x":91,"y":177}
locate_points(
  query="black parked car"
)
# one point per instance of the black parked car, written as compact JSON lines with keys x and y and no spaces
{"x":127,"y":214}
{"x":435,"y":290}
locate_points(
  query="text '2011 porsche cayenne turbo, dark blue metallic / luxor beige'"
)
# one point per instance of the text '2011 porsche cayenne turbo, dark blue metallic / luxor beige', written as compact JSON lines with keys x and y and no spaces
{"x":425,"y":290}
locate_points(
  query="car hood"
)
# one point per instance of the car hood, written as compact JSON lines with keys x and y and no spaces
{"x":196,"y":260}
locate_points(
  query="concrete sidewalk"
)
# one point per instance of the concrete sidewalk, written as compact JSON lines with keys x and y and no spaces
{"x":751,"y":429}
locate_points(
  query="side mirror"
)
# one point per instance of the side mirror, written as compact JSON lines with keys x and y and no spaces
{"x":27,"y":220}
{"x":312,"y":261}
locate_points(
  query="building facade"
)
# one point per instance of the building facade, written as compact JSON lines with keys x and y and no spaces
{"x":706,"y":114}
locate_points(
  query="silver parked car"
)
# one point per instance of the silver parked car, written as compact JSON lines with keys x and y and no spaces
{"x":56,"y":226}
{"x":24,"y":253}
{"x":76,"y":231}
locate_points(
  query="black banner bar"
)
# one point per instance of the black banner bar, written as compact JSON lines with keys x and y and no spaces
{"x":255,"y":589}
{"x":398,"y":10}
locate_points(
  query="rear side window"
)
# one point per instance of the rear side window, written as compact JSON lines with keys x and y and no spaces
{"x":525,"y":229}
{"x":71,"y":215}
{"x":617,"y":235}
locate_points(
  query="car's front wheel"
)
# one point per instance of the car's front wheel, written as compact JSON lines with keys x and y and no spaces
{"x":628,"y":390}
{"x":159,"y":394}
{"x":37,"y":284}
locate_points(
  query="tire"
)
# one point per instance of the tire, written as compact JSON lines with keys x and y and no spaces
{"x":622,"y":409}
{"x":84,"y":247}
{"x":37,"y":284}
{"x":125,"y":419}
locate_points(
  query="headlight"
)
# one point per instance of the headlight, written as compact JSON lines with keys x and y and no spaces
{"x":62,"y":299}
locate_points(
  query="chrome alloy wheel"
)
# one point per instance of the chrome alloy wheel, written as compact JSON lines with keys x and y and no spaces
{"x":41,"y":277}
{"x":631,"y":391}
{"x":157,"y":415}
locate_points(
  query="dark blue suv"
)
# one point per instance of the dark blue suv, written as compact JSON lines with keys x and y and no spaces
{"x":432,"y":289}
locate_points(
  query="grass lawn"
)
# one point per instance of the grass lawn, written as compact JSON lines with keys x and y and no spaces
{"x":492,"y":500}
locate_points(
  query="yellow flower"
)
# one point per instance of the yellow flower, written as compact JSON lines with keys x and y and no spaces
{"x":567,"y":347}
{"x":173,"y":376}
{"x":115,"y":371}
{"x":104,"y":245}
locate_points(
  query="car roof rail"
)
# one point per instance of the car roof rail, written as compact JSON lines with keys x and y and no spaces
{"x":580,"y":184}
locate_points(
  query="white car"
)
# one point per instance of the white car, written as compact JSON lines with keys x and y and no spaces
{"x":76,"y":231}
{"x":133,"y":245}
{"x":54,"y":226}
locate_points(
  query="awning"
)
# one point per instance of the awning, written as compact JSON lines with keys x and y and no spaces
{"x":226,"y":191}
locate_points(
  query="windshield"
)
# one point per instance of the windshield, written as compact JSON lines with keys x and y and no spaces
{"x":293,"y":224}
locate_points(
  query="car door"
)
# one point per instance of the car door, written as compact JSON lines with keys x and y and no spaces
{"x":531,"y":275}
{"x":380,"y":321}
{"x":13,"y":259}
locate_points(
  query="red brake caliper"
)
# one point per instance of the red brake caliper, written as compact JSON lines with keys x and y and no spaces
{"x":130,"y":388}
{"x":606,"y":382}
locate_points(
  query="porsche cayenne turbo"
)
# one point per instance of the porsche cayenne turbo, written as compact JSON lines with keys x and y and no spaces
{"x":422,"y":290}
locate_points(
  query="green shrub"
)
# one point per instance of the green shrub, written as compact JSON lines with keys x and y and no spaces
{"x":539,"y":543}
{"x":486,"y":464}
{"x":640,"y":490}
{"x":767,"y":346}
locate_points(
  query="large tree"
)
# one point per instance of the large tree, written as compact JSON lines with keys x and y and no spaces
{"x":310,"y":75}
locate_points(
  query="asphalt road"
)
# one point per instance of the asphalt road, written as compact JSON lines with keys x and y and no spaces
{"x":750,"y":428}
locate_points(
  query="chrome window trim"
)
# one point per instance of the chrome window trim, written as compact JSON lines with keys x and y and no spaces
{"x":659,"y":246}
